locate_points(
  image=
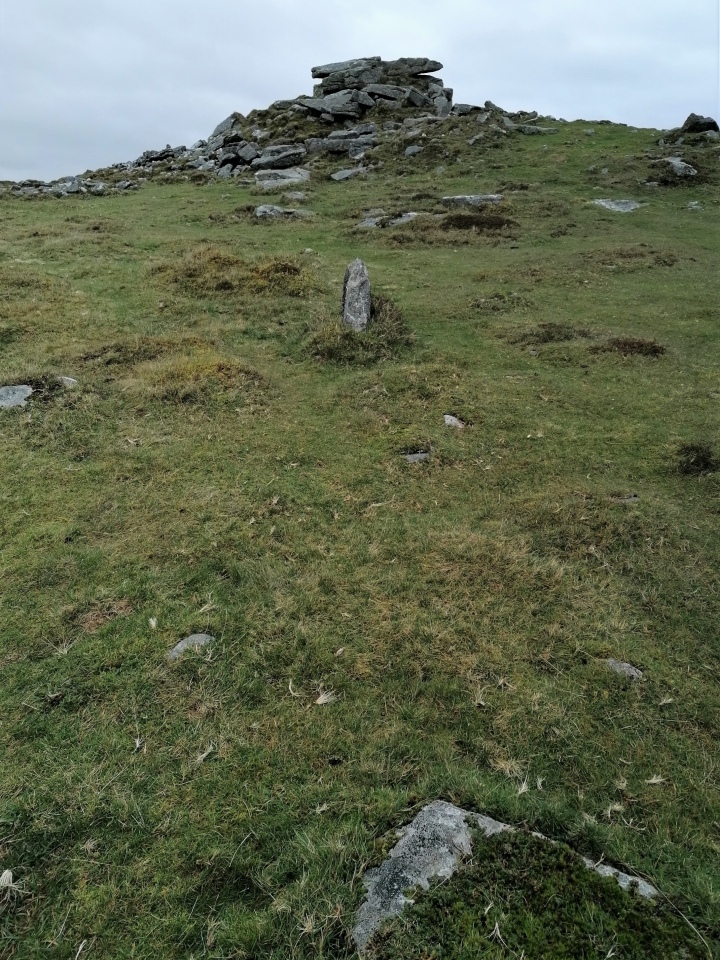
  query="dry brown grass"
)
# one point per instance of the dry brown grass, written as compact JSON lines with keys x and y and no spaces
{"x":98,"y":616}
{"x":208,"y":271}
{"x":630,"y":346}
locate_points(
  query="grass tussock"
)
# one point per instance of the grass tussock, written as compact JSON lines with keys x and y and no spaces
{"x":198,"y":378}
{"x":631,"y":347}
{"x":500,"y":303}
{"x":483,"y":222}
{"x":696,"y":459}
{"x":549,"y":333}
{"x":387,"y":336}
{"x":210,"y":270}
{"x":122,"y":353}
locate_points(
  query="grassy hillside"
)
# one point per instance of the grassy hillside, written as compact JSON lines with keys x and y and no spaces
{"x":386,"y":633}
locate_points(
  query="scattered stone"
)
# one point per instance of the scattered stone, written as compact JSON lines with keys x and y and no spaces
{"x":590,"y":132}
{"x":451,"y":421}
{"x":618,"y":206}
{"x":697,"y":124}
{"x":628,"y":498}
{"x":341,"y":175}
{"x":713,"y":135}
{"x":295,"y":196}
{"x":274,"y":179}
{"x":413,"y":151}
{"x":194,"y":642}
{"x":15,"y":396}
{"x":473,"y":200}
{"x":357,"y":298}
{"x":267,"y":211}
{"x":627,"y":669}
{"x":680,"y":168}
{"x":420,"y":457}
{"x":431,"y":846}
{"x":68,"y":382}
{"x":403,"y":219}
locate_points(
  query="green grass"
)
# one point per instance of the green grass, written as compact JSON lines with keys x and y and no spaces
{"x":210,"y":473}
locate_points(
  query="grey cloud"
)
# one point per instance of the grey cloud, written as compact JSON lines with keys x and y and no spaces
{"x":93,"y":82}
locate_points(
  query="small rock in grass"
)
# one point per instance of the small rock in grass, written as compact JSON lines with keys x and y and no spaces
{"x":194,"y":642}
{"x":403,"y":219}
{"x":451,"y":421}
{"x":413,"y":151}
{"x":267,"y":211}
{"x":478,"y":200}
{"x":419,"y":457}
{"x":69,"y":382}
{"x":627,"y":669}
{"x":14,"y":396}
{"x":341,"y":175}
{"x":680,"y":168}
{"x":618,"y":206}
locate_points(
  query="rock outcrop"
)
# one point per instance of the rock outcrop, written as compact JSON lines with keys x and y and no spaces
{"x":351,"y":88}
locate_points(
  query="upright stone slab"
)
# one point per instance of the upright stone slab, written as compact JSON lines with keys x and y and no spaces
{"x":356,"y":301}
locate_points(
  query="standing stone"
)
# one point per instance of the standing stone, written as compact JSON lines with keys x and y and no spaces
{"x":356,"y":301}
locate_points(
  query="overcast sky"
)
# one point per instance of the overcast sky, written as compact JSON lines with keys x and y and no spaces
{"x":86,"y":83}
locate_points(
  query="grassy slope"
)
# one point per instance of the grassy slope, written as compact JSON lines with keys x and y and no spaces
{"x":214,"y":476}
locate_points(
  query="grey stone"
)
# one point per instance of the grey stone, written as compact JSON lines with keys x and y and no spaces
{"x":680,"y":168}
{"x":627,"y":669}
{"x":267,"y":211}
{"x":590,"y":132}
{"x":344,"y":103}
{"x":420,"y":457}
{"x":14,"y":396}
{"x":418,"y":99}
{"x":476,"y":139}
{"x":442,"y":106}
{"x":194,"y":642}
{"x":295,"y":196}
{"x":697,"y":124}
{"x":403,"y":219}
{"x":280,"y":157}
{"x":618,"y":206}
{"x":412,"y":66}
{"x":713,"y":135}
{"x":232,"y":121}
{"x":385,"y":91}
{"x":224,"y":173}
{"x":68,"y":382}
{"x":451,"y":421}
{"x":357,"y":297}
{"x":463,"y":109}
{"x":341,"y":175}
{"x":390,"y":126}
{"x":413,"y":151}
{"x":472,"y":200}
{"x":281,"y":179}
{"x":346,"y":66}
{"x":430,"y":847}
{"x":248,"y":152}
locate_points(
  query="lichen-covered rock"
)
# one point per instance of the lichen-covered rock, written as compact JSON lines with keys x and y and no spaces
{"x":357,"y":297}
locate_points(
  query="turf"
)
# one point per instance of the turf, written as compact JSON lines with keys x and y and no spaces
{"x":215,"y":471}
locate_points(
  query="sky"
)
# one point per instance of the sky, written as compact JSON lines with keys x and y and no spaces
{"x":87,"y":83}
